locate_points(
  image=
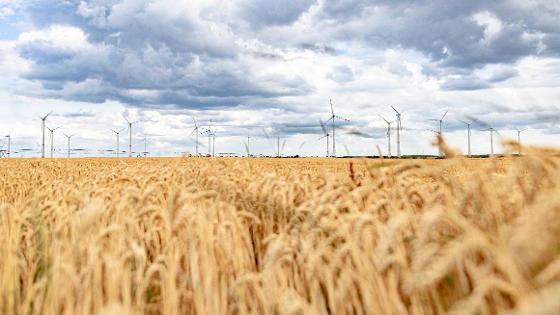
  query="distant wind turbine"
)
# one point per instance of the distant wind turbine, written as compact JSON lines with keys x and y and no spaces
{"x":388,"y":135}
{"x":118,"y":133}
{"x":69,"y":137}
{"x":519,"y":140}
{"x":333,"y":117}
{"x":195,"y":131}
{"x":492,"y":130}
{"x":52,"y":139}
{"x":326,"y":135}
{"x":468,"y":136}
{"x":9,"y":137}
{"x":130,"y":135}
{"x":399,"y":128}
{"x":43,"y":120}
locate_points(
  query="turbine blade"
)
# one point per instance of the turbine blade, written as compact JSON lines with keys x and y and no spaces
{"x":383,"y":118}
{"x":447,"y":111}
{"x":332,"y":109}
{"x":478,"y":121}
{"x":323,"y":127}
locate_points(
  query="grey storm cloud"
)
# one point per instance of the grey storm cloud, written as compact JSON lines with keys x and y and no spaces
{"x":159,"y":54}
{"x":145,"y":53}
{"x":456,"y":34}
{"x":260,"y":13}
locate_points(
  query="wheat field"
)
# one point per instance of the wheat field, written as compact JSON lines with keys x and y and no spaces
{"x":280,"y":236}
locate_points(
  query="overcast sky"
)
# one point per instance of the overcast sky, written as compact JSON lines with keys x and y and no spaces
{"x":249,"y":63}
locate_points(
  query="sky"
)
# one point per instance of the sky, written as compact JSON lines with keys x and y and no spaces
{"x":267,"y":69}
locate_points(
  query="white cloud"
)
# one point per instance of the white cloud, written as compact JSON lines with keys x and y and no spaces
{"x":493,"y":26}
{"x":56,"y":37}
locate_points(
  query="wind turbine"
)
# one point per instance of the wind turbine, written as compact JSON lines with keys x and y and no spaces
{"x":52,"y":139}
{"x":326,"y":135}
{"x":195,"y":131}
{"x":333,"y":117}
{"x":388,"y":135}
{"x":440,"y":133}
{"x":145,"y":146}
{"x":118,"y":139}
{"x":518,"y":141}
{"x":399,"y":126}
{"x":492,"y":130}
{"x":247,"y":146}
{"x":43,"y":120}
{"x":69,"y":137}
{"x":468,"y":135}
{"x":213,"y":144}
{"x":130,"y":136}
{"x":9,"y":144}
{"x":211,"y":136}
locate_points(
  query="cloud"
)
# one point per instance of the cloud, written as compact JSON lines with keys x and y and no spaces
{"x":466,"y":34}
{"x":341,"y":74}
{"x":263,"y":13}
{"x":150,"y":54}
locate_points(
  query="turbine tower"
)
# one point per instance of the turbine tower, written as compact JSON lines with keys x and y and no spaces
{"x":69,"y":137}
{"x":118,"y":133}
{"x":52,"y":139}
{"x":333,"y":117}
{"x":388,"y":135}
{"x":399,"y":126}
{"x":145,"y":145}
{"x":213,"y":134}
{"x":43,"y":120}
{"x":326,"y":135}
{"x":518,"y":141}
{"x":195,"y":131}
{"x":492,"y":130}
{"x":129,"y":136}
{"x":468,"y":136}
{"x":9,"y":144}
{"x":248,"y":145}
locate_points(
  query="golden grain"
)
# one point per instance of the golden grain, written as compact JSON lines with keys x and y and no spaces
{"x":276,"y":236}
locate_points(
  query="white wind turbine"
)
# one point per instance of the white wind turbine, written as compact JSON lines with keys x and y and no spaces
{"x":211,"y":135}
{"x":52,"y":139}
{"x":333,"y":117}
{"x":130,"y":136}
{"x":326,"y":135}
{"x":388,"y":135}
{"x":247,"y":145}
{"x":9,"y":137}
{"x":492,"y":130}
{"x":69,"y":137}
{"x":118,"y":133}
{"x":468,"y":136}
{"x":399,"y":128}
{"x":519,"y":131}
{"x":196,"y":132}
{"x":43,"y":120}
